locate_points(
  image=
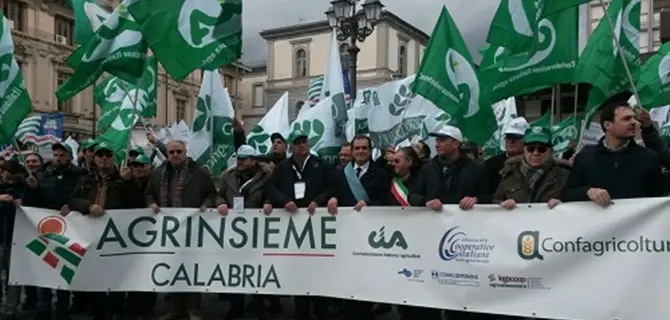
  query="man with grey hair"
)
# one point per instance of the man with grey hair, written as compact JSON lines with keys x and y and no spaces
{"x":181,"y":183}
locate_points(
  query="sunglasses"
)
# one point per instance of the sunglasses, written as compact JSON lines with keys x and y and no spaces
{"x":540,"y":149}
{"x":137,"y":165}
{"x":175,"y":151}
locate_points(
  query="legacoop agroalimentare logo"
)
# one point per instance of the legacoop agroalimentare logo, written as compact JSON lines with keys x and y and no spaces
{"x":55,"y":249}
{"x":512,"y":281}
{"x":456,"y":245}
{"x":531,"y":245}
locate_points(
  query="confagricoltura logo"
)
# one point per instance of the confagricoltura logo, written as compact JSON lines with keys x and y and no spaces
{"x":55,"y":249}
{"x":530,"y":245}
{"x":456,"y":245}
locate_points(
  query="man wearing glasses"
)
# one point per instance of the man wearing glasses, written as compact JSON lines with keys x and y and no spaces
{"x":181,"y":183}
{"x":513,"y":134}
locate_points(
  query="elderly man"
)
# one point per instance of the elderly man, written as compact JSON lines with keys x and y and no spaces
{"x":50,"y":189}
{"x":181,"y":183}
{"x":535,"y":176}
{"x":104,"y":188}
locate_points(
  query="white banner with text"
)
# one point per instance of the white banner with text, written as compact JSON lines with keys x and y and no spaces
{"x":577,"y":261}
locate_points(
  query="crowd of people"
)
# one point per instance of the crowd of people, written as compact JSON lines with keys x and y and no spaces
{"x":616,"y":168}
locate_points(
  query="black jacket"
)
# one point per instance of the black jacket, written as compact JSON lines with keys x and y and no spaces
{"x":493,"y":167}
{"x":280,"y":188}
{"x":467,"y":179}
{"x":54,"y":186}
{"x":8,"y":210}
{"x":375,"y":181}
{"x":653,"y":141}
{"x":633,"y":172}
{"x":118,"y":194}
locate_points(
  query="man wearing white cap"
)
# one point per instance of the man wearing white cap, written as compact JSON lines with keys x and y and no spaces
{"x":512,"y":134}
{"x":450,"y":177}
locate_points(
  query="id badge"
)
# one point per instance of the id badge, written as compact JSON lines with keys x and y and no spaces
{"x":299,"y":190}
{"x":238,"y":204}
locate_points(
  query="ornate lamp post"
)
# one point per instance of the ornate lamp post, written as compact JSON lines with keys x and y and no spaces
{"x":354,"y":25}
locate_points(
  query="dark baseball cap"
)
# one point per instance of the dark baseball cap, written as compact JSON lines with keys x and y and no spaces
{"x":276,"y":136}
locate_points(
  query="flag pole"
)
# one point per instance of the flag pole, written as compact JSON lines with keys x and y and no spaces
{"x":623,"y":60}
{"x":211,"y":115}
{"x":553,"y":105}
{"x":574,"y":109}
{"x":134,"y":101}
{"x":95,"y":113}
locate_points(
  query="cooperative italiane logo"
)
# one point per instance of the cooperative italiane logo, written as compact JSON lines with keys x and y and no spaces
{"x":55,"y":249}
{"x":457,"y":245}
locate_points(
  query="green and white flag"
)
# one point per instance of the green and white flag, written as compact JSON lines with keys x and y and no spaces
{"x":516,"y":24}
{"x":15,"y":102}
{"x":89,"y":16}
{"x":653,"y":83}
{"x":112,"y":92}
{"x":324,"y":137}
{"x":447,"y":78}
{"x":190,"y":35}
{"x":505,"y":111}
{"x":126,"y":115}
{"x":600,"y":63}
{"x":276,"y":120}
{"x":117,"y":47}
{"x":564,"y":132}
{"x":551,"y":61}
{"x":211,"y":142}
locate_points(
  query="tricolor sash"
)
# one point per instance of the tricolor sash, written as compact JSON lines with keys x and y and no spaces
{"x":355,"y":185}
{"x":400,"y":192}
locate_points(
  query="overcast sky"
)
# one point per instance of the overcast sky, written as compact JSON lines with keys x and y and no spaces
{"x":472,"y":17}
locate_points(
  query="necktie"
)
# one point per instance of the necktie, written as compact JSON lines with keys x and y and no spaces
{"x":358,"y":172}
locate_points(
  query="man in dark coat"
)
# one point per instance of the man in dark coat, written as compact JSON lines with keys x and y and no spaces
{"x":181,"y":183}
{"x":50,"y":189}
{"x":104,"y":188}
{"x":301,"y":181}
{"x":512,"y":134}
{"x":615,"y":168}
{"x":450,"y":177}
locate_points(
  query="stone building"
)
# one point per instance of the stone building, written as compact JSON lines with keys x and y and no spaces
{"x":43,"y":36}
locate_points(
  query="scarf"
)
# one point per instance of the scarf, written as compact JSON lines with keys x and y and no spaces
{"x":531,"y":175}
{"x":165,"y":173}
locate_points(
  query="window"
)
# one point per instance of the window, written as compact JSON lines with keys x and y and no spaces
{"x":61,"y":78}
{"x":258,"y":95}
{"x":14,"y":10}
{"x":402,"y":60}
{"x":181,"y":109}
{"x":64,"y":27}
{"x":301,"y":63}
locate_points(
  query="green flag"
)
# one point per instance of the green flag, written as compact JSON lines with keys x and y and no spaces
{"x":543,"y":121}
{"x":190,"y":35}
{"x":505,"y":74}
{"x":564,"y":132}
{"x":117,"y":47}
{"x":129,"y":111}
{"x":89,"y":16}
{"x":112,"y":92}
{"x":15,"y":102}
{"x":516,"y":24}
{"x":653,"y":83}
{"x":447,"y":78}
{"x":600,"y":63}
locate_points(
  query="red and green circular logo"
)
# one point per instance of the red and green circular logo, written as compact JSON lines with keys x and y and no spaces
{"x":52,"y":224}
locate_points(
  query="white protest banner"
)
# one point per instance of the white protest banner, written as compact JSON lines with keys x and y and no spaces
{"x":577,"y":261}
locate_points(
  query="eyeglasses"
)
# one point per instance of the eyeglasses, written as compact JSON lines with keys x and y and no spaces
{"x":176,"y":151}
{"x":540,"y":149}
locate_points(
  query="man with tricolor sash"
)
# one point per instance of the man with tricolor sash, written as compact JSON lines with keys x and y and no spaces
{"x":406,"y":166}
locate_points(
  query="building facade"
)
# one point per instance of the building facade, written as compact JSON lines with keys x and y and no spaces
{"x":299,"y":53}
{"x":43,"y":37}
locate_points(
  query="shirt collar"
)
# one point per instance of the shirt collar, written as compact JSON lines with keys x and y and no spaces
{"x":363,"y":167}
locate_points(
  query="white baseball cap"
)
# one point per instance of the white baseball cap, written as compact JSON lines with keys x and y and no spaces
{"x":517,"y":126}
{"x":245,"y":151}
{"x":448,"y":131}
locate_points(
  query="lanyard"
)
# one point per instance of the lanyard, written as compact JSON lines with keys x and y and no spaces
{"x":302,"y":168}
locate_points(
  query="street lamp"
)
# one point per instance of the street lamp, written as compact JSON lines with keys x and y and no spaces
{"x":354,"y":25}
